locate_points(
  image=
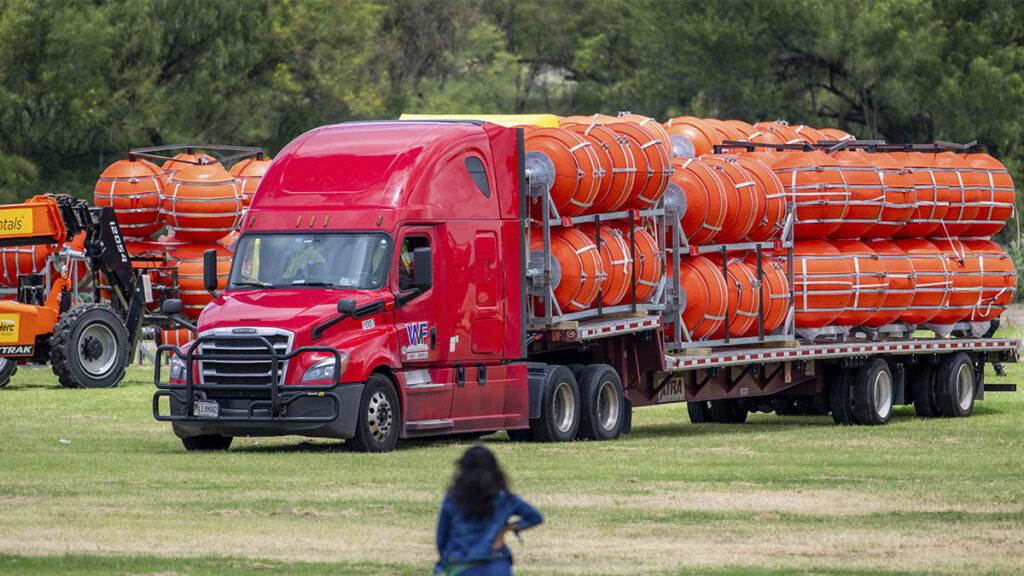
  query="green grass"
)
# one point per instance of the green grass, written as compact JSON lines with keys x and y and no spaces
{"x":91,"y":484}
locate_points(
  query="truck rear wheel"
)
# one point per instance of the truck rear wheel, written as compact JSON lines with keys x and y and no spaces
{"x":700,"y":412}
{"x":955,"y":386}
{"x":8,"y":368}
{"x":841,"y":397}
{"x":727,"y":411}
{"x":601,"y":403}
{"x":924,"y":390}
{"x":872,"y":393}
{"x":377,"y":428}
{"x":89,"y":347}
{"x":559,"y":411}
{"x":207,"y":443}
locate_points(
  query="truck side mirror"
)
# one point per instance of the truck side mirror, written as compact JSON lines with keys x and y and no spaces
{"x":423,"y":262}
{"x":172,"y":306}
{"x":210,"y":271}
{"x":346,"y":306}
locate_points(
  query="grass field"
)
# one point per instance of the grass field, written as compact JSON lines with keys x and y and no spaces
{"x":91,"y":484}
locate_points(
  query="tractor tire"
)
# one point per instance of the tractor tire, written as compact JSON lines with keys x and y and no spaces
{"x":559,"y":411}
{"x":841,"y":397}
{"x":601,"y":402}
{"x":207,"y":443}
{"x":924,"y":390}
{"x":955,"y":386}
{"x":699,"y":412}
{"x":8,"y":368}
{"x":379,"y":417}
{"x":727,"y":411}
{"x":89,"y":347}
{"x":873,"y":394}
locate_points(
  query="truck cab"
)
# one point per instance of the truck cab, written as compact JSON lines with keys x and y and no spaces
{"x":368,"y":298}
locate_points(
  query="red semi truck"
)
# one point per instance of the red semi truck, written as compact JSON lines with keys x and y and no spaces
{"x":384,"y":287}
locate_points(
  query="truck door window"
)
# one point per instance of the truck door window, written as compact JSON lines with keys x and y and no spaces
{"x":406,"y":269}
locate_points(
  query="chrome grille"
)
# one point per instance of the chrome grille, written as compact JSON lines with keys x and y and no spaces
{"x":236,"y":370}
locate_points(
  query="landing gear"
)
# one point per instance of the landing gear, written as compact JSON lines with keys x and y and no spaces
{"x":89,"y":347}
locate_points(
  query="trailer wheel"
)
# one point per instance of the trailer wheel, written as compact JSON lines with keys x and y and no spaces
{"x":207,"y":443}
{"x":700,"y":412}
{"x":601,"y":403}
{"x":924,"y":390}
{"x":559,"y":412}
{"x":8,"y":368}
{"x":872,"y":393}
{"x":377,"y":427}
{"x":727,"y":411}
{"x":841,"y":397}
{"x":89,"y":347}
{"x":954,"y":386}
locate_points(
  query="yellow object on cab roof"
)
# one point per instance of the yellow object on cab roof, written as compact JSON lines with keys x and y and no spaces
{"x":543,"y":120}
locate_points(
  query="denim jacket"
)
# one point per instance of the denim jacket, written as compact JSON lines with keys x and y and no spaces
{"x":461,"y":539}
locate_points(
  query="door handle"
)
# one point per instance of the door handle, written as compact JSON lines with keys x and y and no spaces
{"x":433,"y":337}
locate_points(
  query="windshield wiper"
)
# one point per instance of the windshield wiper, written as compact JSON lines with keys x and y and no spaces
{"x":255,"y":283}
{"x":315,"y":284}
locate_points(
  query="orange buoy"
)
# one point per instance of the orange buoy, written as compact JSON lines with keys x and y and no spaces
{"x":132,"y":188}
{"x":899,"y":273}
{"x":249,"y":172}
{"x":699,"y":133}
{"x":576,"y":269}
{"x":744,"y":128}
{"x":202,"y":203}
{"x":932,"y":194}
{"x":749,"y":208}
{"x":931,"y":272}
{"x":869,"y":283}
{"x":741,"y":297}
{"x":178,"y":337}
{"x":965,"y":274}
{"x":578,"y":175}
{"x":965,"y":201}
{"x":189,"y":260}
{"x":728,"y":132}
{"x":603,"y":119}
{"x":809,"y":135}
{"x":706,"y":295}
{"x":836,"y":135}
{"x":774,"y":291}
{"x":647,"y":187}
{"x":815,"y":185}
{"x":769,"y":190}
{"x":647,"y":262}
{"x":704,"y":200}
{"x":615,"y":262}
{"x":652,"y":126}
{"x":881,"y":195}
{"x":617,"y":163}
{"x":997,"y":198}
{"x":782,"y":130}
{"x":184,"y":160}
{"x":822,"y":281}
{"x":18,"y":260}
{"x":570,"y":120}
{"x":998,"y":279}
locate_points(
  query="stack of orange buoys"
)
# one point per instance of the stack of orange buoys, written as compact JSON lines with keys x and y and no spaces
{"x":132,"y":188}
{"x":202,"y":203}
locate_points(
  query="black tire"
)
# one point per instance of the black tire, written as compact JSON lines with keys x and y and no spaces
{"x":207,"y":443}
{"x":601,"y":403}
{"x":559,"y":411}
{"x":8,"y":368}
{"x":784,"y":407}
{"x":924,"y":389}
{"x":700,"y":412}
{"x":841,"y":397}
{"x":89,"y":347}
{"x":379,"y":417}
{"x":873,"y":393}
{"x":520,"y":435}
{"x":955,"y":386}
{"x":727,"y":412}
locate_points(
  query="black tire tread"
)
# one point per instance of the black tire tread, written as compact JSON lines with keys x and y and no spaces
{"x":727,"y":411}
{"x":839,"y":397}
{"x":60,"y":362}
{"x":207,"y":443}
{"x":9,"y":369}
{"x":699,"y":412}
{"x":589,"y":381}
{"x":362,"y":442}
{"x":924,"y":390}
{"x":863,"y":403}
{"x":947,"y":401}
{"x":543,"y":429}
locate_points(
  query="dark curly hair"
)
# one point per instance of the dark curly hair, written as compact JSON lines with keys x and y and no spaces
{"x":477,"y":482}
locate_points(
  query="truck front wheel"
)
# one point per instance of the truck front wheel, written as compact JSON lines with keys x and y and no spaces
{"x":602,"y":405}
{"x":377,"y":428}
{"x":559,"y":413}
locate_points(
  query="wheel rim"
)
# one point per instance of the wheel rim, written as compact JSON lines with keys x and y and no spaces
{"x":563,"y":407}
{"x":883,"y":394}
{"x":97,"y":349}
{"x":964,"y":386}
{"x":379,"y":416}
{"x":608,"y":406}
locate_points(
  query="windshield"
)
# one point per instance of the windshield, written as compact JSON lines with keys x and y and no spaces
{"x":323,"y":260}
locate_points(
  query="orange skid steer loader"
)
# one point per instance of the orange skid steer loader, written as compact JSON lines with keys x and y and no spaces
{"x":87,"y":345}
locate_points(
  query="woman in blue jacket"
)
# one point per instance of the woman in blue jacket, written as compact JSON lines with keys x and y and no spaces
{"x":476,"y":513}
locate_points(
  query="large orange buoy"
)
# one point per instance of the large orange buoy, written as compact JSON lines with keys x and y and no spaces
{"x":744,"y":128}
{"x":576,"y":269}
{"x":178,"y":337}
{"x":705,"y":200}
{"x":966,"y":276}
{"x":728,"y":132}
{"x":249,"y":172}
{"x":965,"y":201}
{"x":647,"y":187}
{"x":652,"y":126}
{"x":18,"y":260}
{"x":741,"y":297}
{"x":881,"y":195}
{"x":815,"y":184}
{"x":931,"y":272}
{"x":202,"y":203}
{"x":998,"y":279}
{"x":769,"y":190}
{"x":899,"y":273}
{"x":822,"y":282}
{"x":705,"y":293}
{"x":184,"y":160}
{"x":189,"y":260}
{"x":782,"y":130}
{"x":836,"y":135}
{"x":932,"y":194}
{"x":774,"y":290}
{"x":578,"y":175}
{"x":615,"y":263}
{"x":869,"y":283}
{"x":997,"y":198}
{"x":900,"y":197}
{"x":132,"y":188}
{"x":699,"y":133}
{"x":647,"y":262}
{"x":809,"y":135}
{"x":749,"y":209}
{"x":616,"y":161}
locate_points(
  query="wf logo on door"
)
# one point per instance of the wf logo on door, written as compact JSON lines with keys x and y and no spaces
{"x":417,"y":334}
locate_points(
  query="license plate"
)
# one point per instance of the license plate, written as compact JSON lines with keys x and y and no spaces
{"x":204,"y":409}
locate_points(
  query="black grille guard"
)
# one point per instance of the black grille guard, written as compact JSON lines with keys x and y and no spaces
{"x":280,"y":396}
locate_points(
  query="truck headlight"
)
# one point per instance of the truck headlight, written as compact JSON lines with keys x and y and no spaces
{"x":177,"y":368}
{"x":324,"y":369}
